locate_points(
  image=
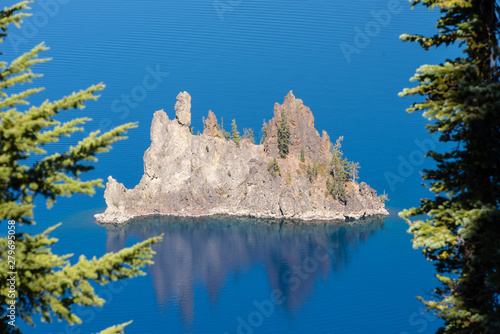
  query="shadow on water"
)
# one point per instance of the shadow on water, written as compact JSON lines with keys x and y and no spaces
{"x":209,"y":250}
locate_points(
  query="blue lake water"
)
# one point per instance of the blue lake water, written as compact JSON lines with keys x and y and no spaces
{"x":238,"y":58}
{"x":222,"y":275}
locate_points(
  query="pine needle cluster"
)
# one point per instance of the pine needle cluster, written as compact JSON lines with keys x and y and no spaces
{"x":48,"y":285}
{"x":461,"y":233}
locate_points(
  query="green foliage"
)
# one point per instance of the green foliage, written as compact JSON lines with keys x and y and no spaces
{"x":302,"y":155}
{"x":264,"y":132}
{"x":312,"y":171}
{"x":47,"y":284}
{"x":384,"y":197}
{"x":338,"y":174}
{"x":207,"y":148}
{"x":283,"y":135}
{"x":461,"y":234}
{"x":274,"y":168}
{"x":118,"y":329}
{"x":336,"y":189}
{"x":50,"y":285}
{"x":248,"y":134}
{"x":235,"y":134}
{"x":12,"y":15}
{"x":226,"y":134}
{"x":352,"y":170}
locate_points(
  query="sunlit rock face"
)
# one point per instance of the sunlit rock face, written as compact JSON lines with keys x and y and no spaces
{"x":205,"y":174}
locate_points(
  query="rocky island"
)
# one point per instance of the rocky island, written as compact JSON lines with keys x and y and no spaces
{"x":293,"y":173}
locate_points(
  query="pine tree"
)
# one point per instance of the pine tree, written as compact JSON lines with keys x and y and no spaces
{"x":264,"y":132}
{"x":235,"y":134}
{"x":353,"y":170}
{"x":248,"y":134}
{"x":47,"y":285}
{"x":274,"y":168}
{"x":312,"y":171}
{"x":462,"y":233}
{"x":283,"y":135}
{"x":338,"y":173}
{"x":226,"y":134}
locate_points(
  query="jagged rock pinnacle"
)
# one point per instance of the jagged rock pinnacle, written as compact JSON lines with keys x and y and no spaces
{"x":210,"y":126}
{"x":183,"y":109}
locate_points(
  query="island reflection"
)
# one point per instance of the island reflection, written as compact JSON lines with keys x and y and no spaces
{"x":208,"y":250}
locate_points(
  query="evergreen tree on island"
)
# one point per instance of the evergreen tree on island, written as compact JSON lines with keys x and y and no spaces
{"x":235,"y":133}
{"x":264,"y":132}
{"x":248,"y":134}
{"x":283,"y":136}
{"x":46,"y":284}
{"x":338,"y":174}
{"x":462,"y":232}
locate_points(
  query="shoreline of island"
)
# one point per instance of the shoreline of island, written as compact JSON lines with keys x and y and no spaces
{"x":103,"y":219}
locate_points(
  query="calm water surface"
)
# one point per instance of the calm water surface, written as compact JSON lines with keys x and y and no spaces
{"x":243,"y":275}
{"x":217,"y":275}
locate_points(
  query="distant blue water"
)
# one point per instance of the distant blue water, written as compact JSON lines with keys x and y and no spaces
{"x":218,"y":275}
{"x":238,"y":58}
